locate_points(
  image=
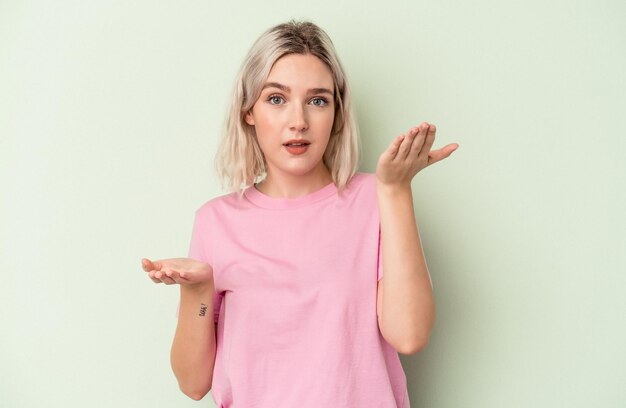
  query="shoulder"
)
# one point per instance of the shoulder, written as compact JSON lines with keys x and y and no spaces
{"x":224,"y":203}
{"x":361,"y":181}
{"x":361,"y":177}
{"x":360,"y":191}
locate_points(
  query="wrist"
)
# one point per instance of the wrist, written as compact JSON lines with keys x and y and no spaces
{"x":393,"y":189}
{"x":198,"y":289}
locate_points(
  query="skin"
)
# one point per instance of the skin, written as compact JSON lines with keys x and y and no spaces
{"x":405,"y":304}
{"x":293,"y":105}
{"x":193,"y":350}
{"x":292,"y":110}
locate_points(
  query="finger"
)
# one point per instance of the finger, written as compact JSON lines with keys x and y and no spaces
{"x":187,"y":277}
{"x":164,"y":277}
{"x":428,"y":142}
{"x":173,"y":275}
{"x":184,"y":276}
{"x":178,"y":277}
{"x":159,"y":275}
{"x":405,"y":146}
{"x":418,"y":142}
{"x":393,"y":148}
{"x":152,"y":275}
{"x":146,"y":264}
{"x":167,"y":280}
{"x":438,"y":155}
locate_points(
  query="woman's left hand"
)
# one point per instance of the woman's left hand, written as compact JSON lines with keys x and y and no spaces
{"x":408,"y":154}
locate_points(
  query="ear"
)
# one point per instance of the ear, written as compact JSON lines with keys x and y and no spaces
{"x":249,"y":118}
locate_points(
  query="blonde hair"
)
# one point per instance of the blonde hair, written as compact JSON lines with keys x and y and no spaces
{"x":239,"y":160}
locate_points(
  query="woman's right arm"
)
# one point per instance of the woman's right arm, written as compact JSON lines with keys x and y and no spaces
{"x":193,"y":350}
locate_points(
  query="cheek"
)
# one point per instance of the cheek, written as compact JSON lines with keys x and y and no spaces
{"x":268,"y":120}
{"x":267,"y":127}
{"x":328,"y":122}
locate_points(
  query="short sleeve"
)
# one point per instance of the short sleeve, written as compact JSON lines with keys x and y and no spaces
{"x":198,"y":249}
{"x":217,"y":304}
{"x":380,"y":255}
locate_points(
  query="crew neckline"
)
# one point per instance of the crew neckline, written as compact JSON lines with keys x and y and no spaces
{"x":281,"y":203}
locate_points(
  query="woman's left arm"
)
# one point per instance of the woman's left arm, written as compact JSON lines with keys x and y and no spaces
{"x":405,"y":304}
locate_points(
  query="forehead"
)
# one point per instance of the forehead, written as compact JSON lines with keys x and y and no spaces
{"x":301,"y":71}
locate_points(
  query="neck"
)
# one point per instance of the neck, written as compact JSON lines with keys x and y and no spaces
{"x":285,"y":185}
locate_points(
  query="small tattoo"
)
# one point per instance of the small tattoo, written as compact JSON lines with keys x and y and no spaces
{"x":203,"y":308}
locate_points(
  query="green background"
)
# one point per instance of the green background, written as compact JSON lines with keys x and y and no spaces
{"x":110,"y":114}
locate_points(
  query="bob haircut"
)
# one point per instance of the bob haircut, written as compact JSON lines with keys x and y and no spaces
{"x":239,"y":159}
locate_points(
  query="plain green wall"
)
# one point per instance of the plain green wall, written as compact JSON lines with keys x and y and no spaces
{"x":110,"y":113}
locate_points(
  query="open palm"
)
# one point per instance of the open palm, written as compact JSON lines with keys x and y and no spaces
{"x":409,"y":153}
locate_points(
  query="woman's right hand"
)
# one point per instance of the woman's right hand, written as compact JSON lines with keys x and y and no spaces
{"x":183,"y":271}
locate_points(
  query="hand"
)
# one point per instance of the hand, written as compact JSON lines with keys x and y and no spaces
{"x":183,"y":271}
{"x":408,"y":154}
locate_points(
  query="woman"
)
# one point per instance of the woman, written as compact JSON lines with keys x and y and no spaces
{"x":289,"y":265}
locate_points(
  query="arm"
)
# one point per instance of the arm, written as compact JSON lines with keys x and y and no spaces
{"x":405,"y":303}
{"x":193,"y":350}
{"x":405,"y":299}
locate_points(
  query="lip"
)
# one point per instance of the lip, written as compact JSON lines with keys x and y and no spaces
{"x":296,"y":150}
{"x":297,"y":141}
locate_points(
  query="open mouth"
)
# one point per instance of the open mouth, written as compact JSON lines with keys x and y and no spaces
{"x":296,"y":144}
{"x":297,"y":147}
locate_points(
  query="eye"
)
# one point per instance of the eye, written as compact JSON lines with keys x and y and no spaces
{"x":319,"y":101}
{"x":275,"y":99}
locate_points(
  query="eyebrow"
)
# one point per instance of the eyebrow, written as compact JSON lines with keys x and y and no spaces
{"x":287,"y":89}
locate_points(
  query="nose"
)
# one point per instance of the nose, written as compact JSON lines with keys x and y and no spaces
{"x":298,"y":120}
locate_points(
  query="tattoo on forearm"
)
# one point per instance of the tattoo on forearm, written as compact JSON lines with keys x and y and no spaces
{"x":203,"y":308}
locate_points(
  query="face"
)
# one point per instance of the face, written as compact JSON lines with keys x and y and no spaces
{"x":296,"y":107}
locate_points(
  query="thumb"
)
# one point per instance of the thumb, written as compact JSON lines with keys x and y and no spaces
{"x":436,"y":155}
{"x":148,"y":265}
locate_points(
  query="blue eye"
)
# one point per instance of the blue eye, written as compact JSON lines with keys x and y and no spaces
{"x":319,"y":101}
{"x":275,"y":99}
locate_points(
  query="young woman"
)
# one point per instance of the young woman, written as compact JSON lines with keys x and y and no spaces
{"x":289,"y":266}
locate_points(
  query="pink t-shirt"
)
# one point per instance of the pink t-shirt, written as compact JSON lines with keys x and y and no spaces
{"x":296,"y":284}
